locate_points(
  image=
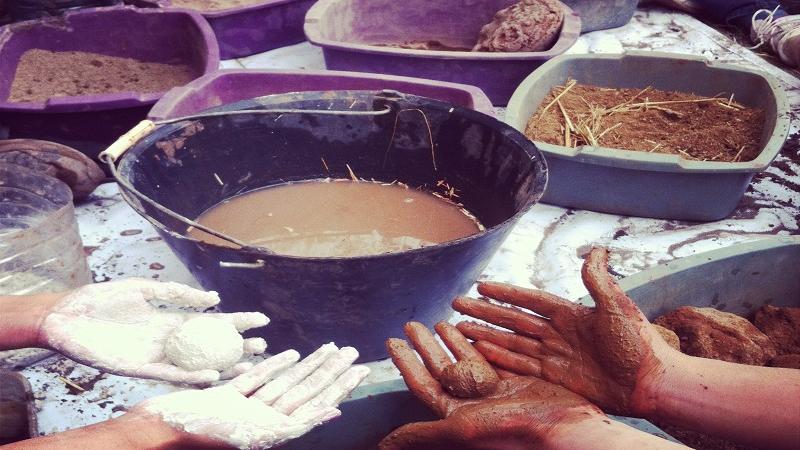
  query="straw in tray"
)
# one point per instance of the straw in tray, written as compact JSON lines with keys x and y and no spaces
{"x":697,"y":128}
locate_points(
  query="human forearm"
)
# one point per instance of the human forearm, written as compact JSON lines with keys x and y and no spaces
{"x":605,"y":433}
{"x":21,"y":318}
{"x":129,"y":432}
{"x":751,"y":405}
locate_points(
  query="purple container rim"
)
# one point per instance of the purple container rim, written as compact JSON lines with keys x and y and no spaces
{"x":164,"y":107}
{"x":166,"y":4}
{"x":116,"y":100}
{"x":570,"y":31}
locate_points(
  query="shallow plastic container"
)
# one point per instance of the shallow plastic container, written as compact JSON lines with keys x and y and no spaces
{"x":90,"y":123}
{"x":602,"y":14}
{"x":347,"y":29}
{"x":645,"y":184}
{"x":228,"y":86}
{"x":738,"y":279}
{"x":251,"y":29}
{"x":190,"y":165}
{"x":40,"y":247}
{"x":374,"y":411}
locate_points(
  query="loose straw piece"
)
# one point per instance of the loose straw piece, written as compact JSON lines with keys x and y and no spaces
{"x":738,"y":154}
{"x":70,"y":383}
{"x":352,"y":174}
{"x":570,"y":84}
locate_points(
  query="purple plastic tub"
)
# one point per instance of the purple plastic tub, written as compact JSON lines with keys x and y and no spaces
{"x":348,"y":29}
{"x":250,"y":29}
{"x":229,"y":86}
{"x":92,"y":122}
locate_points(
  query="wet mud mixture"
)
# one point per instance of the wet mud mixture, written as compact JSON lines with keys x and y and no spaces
{"x":648,"y":120}
{"x":527,"y":26}
{"x":213,"y":5}
{"x":337,"y":218}
{"x":771,"y":338}
{"x":42,"y":74}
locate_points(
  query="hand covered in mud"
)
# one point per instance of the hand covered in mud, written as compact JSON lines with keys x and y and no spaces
{"x":275,"y":401}
{"x":610,"y":353}
{"x":113,"y":327}
{"x":511,"y":412}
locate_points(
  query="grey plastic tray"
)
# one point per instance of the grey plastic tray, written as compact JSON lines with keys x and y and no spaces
{"x":738,"y":279}
{"x":647,"y":184}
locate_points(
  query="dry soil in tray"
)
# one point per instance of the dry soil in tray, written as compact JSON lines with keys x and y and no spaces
{"x":42,"y":74}
{"x":649,"y":120}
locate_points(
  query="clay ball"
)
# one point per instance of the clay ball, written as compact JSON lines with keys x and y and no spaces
{"x":205,"y":343}
{"x":469,"y":379}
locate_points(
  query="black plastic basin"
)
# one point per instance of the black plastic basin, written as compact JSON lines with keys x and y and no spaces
{"x":192,"y":165}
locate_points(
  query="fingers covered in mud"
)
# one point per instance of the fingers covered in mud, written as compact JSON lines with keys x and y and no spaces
{"x":506,"y":317}
{"x":540,"y":302}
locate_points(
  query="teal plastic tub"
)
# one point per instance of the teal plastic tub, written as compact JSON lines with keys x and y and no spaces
{"x":645,"y":184}
{"x":738,"y":279}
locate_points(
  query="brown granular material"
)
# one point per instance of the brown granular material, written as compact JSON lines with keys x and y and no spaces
{"x":694,"y":127}
{"x":213,"y":5}
{"x":42,"y":74}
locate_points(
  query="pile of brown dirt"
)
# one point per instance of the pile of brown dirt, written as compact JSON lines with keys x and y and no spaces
{"x":42,"y":74}
{"x":648,"y":120}
{"x":213,"y":5}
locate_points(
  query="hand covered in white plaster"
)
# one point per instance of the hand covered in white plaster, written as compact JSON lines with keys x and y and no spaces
{"x":275,"y":401}
{"x":113,"y":327}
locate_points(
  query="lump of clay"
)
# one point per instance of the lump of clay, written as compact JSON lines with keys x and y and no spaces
{"x":528,"y":26}
{"x":469,"y":379}
{"x":709,"y":333}
{"x":782,"y":325}
{"x":669,"y":337}
{"x":205,"y":343}
{"x":72,"y":167}
{"x":788,"y":361}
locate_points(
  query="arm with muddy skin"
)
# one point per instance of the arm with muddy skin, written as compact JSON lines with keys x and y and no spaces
{"x":497,"y":410}
{"x":611,"y":355}
{"x":114,"y":327}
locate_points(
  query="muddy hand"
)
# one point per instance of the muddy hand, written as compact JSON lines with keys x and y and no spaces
{"x":277,"y":400}
{"x":610,"y":354}
{"x":517,"y":412}
{"x":112,"y":326}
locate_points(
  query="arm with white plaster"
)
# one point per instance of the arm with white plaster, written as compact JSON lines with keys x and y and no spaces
{"x":114,"y":327}
{"x":277,"y":400}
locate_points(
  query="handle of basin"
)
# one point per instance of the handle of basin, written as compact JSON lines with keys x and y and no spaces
{"x":237,"y":265}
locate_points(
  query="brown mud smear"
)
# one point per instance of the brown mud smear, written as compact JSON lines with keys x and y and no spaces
{"x":648,"y":120}
{"x":213,"y":5}
{"x":42,"y":74}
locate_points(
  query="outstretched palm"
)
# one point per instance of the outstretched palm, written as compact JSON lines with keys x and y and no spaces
{"x":112,"y":326}
{"x":521,"y":412}
{"x":275,"y":401}
{"x":609,"y":353}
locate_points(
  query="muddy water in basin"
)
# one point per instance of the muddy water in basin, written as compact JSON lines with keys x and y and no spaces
{"x":339,"y":218}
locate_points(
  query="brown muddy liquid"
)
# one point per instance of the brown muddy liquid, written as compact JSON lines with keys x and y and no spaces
{"x":337,"y":218}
